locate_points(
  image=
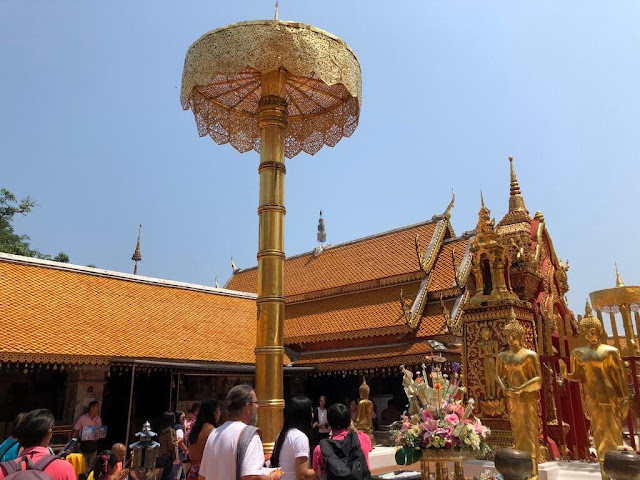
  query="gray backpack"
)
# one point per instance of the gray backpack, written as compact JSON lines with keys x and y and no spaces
{"x":31,"y":472}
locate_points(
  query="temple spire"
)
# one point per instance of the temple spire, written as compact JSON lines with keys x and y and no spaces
{"x":275,"y":17}
{"x":619,"y":282}
{"x":137,"y":256}
{"x":516,"y":201}
{"x":322,"y":234}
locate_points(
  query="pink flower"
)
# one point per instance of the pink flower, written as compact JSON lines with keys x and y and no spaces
{"x":480,"y":429}
{"x":430,"y":425}
{"x":457,"y":409}
{"x":452,"y":419}
{"x":426,"y":414}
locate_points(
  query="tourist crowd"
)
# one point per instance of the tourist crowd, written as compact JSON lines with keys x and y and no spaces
{"x":313,"y":443}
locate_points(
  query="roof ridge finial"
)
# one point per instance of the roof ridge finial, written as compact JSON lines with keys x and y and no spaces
{"x":275,"y":17}
{"x":481,"y":198}
{"x":234,"y":268}
{"x":137,"y":256}
{"x":215,"y":282}
{"x":447,"y":212}
{"x":619,"y":282}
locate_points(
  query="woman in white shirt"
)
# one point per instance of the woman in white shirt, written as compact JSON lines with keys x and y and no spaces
{"x":291,"y":453}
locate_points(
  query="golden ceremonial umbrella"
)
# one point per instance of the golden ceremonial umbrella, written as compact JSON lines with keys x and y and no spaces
{"x":278,"y":88}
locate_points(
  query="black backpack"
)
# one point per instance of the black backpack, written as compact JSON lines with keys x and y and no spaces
{"x":344,"y":459}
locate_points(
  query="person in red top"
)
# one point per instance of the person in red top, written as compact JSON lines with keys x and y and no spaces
{"x":34,"y":433}
{"x":339,"y":418}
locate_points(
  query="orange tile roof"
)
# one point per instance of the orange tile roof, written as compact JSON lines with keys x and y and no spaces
{"x":54,"y":314}
{"x":361,"y":314}
{"x":380,"y":256}
{"x":442,"y":273}
{"x":433,"y":322}
{"x":374,"y":357}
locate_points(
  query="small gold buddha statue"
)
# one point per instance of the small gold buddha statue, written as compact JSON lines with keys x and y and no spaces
{"x":487,"y":352}
{"x":606,"y":399}
{"x":520,"y":378}
{"x":364,"y":417}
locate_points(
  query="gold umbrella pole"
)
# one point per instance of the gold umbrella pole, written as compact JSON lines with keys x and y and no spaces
{"x":272,"y":120}
{"x":280,"y":88}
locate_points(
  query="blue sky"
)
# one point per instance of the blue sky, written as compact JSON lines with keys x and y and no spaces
{"x":92,"y":128}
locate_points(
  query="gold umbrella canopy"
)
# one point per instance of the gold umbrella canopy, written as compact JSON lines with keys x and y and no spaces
{"x":221,"y":84}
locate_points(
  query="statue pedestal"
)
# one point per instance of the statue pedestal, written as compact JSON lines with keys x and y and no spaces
{"x":546,"y":471}
{"x":382,"y":460}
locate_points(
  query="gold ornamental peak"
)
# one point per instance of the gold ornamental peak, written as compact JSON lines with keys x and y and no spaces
{"x":619,"y":282}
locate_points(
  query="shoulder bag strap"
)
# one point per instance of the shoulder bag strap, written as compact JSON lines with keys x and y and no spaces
{"x":12,"y":466}
{"x":44,"y":462}
{"x":4,"y":452}
{"x":244,"y":439}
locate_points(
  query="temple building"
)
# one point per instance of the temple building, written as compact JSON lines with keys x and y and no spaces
{"x":138,"y":345}
{"x":365,"y":307}
{"x":417,"y":294}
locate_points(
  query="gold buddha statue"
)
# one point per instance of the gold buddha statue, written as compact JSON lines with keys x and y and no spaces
{"x":520,"y":378}
{"x":606,"y":399}
{"x":364,"y":416}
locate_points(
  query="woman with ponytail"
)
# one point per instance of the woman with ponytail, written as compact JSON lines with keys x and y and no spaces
{"x":291,"y":453}
{"x":104,"y":466}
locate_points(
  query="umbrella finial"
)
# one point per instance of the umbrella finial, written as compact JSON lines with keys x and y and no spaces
{"x":275,"y":17}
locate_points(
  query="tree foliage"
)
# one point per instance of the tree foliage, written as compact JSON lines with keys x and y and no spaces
{"x":10,"y":241}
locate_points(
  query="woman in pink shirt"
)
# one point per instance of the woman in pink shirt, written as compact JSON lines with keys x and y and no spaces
{"x":340,"y":422}
{"x":34,"y":433}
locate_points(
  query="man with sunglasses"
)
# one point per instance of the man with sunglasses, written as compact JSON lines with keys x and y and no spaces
{"x":234,"y":450}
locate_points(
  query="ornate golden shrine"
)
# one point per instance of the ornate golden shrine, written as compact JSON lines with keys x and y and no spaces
{"x":515,"y":273}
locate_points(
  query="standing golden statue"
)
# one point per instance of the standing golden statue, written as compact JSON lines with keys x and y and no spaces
{"x":364,"y":416}
{"x":487,"y":352}
{"x":599,"y":368}
{"x":520,"y":378}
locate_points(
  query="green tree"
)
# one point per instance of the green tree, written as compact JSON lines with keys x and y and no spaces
{"x":10,"y":241}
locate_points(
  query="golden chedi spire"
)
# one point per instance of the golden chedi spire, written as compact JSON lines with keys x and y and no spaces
{"x":517,"y":210}
{"x":619,"y":282}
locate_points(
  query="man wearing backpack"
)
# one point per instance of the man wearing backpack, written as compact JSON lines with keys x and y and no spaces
{"x":234,"y":450}
{"x":35,"y":462}
{"x":345,"y":454}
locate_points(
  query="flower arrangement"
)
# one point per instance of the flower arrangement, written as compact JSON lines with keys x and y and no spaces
{"x":438,"y":418}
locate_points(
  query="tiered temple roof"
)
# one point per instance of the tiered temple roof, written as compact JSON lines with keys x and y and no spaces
{"x":343,"y":302}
